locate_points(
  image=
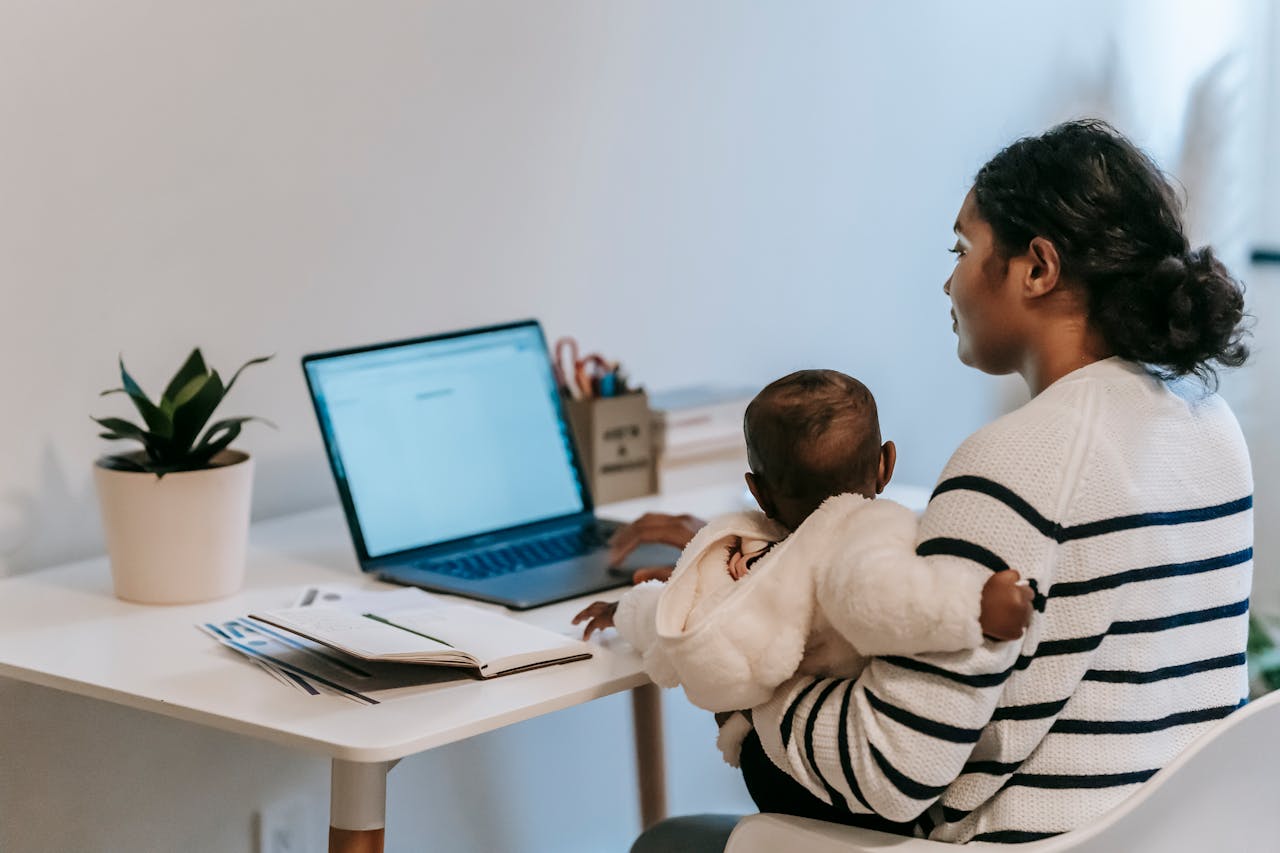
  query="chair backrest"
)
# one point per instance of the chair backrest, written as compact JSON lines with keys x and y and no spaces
{"x":1221,"y":795}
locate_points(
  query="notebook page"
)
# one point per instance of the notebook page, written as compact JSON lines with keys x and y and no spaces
{"x":351,"y":632}
{"x":498,"y":642}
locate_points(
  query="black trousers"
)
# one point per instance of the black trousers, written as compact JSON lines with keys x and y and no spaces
{"x":775,"y":791}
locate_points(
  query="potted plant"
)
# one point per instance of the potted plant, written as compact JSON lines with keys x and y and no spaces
{"x":1264,"y":658}
{"x":176,"y":512}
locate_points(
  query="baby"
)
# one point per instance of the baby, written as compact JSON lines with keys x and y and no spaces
{"x":758,"y":596}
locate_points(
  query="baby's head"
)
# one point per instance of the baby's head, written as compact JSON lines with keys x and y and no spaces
{"x":811,"y":435}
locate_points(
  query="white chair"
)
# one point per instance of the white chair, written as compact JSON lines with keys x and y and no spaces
{"x":1220,"y":794}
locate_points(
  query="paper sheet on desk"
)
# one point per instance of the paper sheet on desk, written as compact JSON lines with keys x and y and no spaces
{"x":358,"y":600}
{"x":315,"y":669}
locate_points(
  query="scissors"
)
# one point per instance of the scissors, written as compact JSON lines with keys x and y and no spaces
{"x":579,"y":375}
{"x":590,"y":375}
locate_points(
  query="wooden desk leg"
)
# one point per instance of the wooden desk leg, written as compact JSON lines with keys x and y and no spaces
{"x":358,"y":806}
{"x":646,"y":711}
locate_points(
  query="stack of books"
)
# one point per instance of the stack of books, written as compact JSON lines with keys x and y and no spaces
{"x":698,"y":421}
{"x":359,"y":644}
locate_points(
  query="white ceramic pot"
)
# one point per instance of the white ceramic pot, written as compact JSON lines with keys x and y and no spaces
{"x":179,"y":538}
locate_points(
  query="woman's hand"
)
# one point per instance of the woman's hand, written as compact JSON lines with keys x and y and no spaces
{"x":656,"y":527}
{"x":598,"y":616}
{"x":652,"y":573}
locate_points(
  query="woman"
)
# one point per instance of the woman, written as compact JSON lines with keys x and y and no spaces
{"x":1122,"y":489}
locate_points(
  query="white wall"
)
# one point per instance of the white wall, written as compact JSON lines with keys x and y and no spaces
{"x":712,"y":191}
{"x":1264,"y":296}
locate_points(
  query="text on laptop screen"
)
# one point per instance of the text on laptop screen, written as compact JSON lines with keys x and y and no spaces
{"x":449,"y":438}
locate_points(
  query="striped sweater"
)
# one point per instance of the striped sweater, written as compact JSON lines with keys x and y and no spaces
{"x":1128,"y":501}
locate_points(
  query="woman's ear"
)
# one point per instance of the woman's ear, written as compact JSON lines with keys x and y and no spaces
{"x":888,"y":459}
{"x":1043,"y":268}
{"x":761,"y":494}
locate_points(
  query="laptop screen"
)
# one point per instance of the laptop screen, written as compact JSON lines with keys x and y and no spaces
{"x":446,"y":438}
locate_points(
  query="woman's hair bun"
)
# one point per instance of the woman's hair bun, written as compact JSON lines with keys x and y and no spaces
{"x":1186,"y":312}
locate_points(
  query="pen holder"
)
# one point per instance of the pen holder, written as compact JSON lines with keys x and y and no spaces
{"x":615,"y":440}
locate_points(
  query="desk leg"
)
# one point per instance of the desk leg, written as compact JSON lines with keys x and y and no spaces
{"x":358,"y":806}
{"x":646,"y":710}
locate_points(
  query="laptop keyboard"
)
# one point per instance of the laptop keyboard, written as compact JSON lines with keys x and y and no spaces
{"x":517,"y":556}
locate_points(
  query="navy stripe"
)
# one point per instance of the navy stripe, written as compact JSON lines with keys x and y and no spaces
{"x":1037,"y":711}
{"x":788,"y":719}
{"x":837,"y":799}
{"x":1070,"y":646}
{"x":1063,"y":782}
{"x":905,"y":784}
{"x":981,"y":679}
{"x":1058,"y":532}
{"x":846,"y":757}
{"x":1003,"y":494}
{"x":926,"y":823}
{"x":1124,"y":676}
{"x":1157,"y":519}
{"x":991,"y":768}
{"x":1171,"y":570}
{"x":1178,"y":620}
{"x":933,"y":728}
{"x":1076,"y":645}
{"x":961,"y":548}
{"x":951,"y":815}
{"x":1012,"y":836}
{"x":1136,"y":727}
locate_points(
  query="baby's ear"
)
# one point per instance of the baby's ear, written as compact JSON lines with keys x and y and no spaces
{"x":761,"y":494}
{"x":888,"y":459}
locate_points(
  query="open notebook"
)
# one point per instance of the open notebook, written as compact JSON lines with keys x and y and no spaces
{"x":429,"y":631}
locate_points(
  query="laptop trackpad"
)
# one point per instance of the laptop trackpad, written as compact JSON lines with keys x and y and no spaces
{"x":649,"y":554}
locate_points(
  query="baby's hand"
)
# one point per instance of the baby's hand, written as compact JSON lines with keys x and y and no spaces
{"x":1006,"y":606}
{"x":741,"y":561}
{"x":737,"y":561}
{"x":600,"y":616}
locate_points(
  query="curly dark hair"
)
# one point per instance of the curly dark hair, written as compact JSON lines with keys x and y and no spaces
{"x":1117,"y":226}
{"x":813,"y":434}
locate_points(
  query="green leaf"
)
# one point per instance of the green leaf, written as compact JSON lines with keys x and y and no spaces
{"x":229,"y":422}
{"x":122,"y":463}
{"x":192,"y":388}
{"x":191,"y":368}
{"x":189,"y":418}
{"x":236,"y":375}
{"x":124,"y":429}
{"x":226,"y":432}
{"x":157,"y":421}
{"x":230,"y":429}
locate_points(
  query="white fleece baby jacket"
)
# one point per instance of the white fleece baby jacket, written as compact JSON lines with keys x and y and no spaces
{"x":841,"y":588}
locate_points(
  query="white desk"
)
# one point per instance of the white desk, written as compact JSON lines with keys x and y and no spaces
{"x":62,"y":628}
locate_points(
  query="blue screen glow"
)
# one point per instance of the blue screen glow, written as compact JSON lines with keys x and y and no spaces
{"x":448,"y":438}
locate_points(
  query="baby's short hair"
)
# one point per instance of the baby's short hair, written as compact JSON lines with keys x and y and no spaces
{"x":813,"y":434}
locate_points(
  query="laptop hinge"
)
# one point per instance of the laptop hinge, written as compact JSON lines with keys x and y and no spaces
{"x":471,"y":543}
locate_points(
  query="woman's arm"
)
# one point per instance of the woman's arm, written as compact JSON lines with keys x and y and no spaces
{"x":890,"y":742}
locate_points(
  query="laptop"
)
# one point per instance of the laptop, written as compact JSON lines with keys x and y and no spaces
{"x":457,"y":468}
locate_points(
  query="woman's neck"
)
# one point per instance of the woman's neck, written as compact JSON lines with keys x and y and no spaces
{"x":1061,"y":348}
